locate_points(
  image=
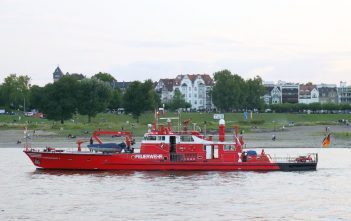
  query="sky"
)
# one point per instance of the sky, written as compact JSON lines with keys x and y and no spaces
{"x":295,"y":41}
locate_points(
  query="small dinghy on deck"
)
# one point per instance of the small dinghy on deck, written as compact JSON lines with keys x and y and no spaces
{"x":107,"y":147}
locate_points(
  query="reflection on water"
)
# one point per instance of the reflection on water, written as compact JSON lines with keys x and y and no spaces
{"x":144,"y":174}
{"x":36,"y":194}
{"x":53,"y":172}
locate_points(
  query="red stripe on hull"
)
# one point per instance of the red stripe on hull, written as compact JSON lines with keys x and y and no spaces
{"x":88,"y":161}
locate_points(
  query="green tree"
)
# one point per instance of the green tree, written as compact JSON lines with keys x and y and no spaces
{"x":222,"y":92}
{"x":178,"y":101}
{"x":255,"y":91}
{"x":2,"y":101}
{"x":329,"y":107}
{"x":140,"y":97}
{"x":133,"y":99}
{"x":116,"y":99}
{"x":315,"y":106}
{"x":60,"y":100}
{"x":106,"y":77}
{"x":151,"y":98}
{"x":228,"y":93}
{"x":345,"y":106}
{"x":36,"y":97}
{"x":93,"y":97}
{"x":15,"y":91}
{"x":240,"y":92}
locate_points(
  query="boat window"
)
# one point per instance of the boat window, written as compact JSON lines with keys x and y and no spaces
{"x":150,"y":138}
{"x":186,"y":138}
{"x":161,"y":138}
{"x":229,"y":147}
{"x":215,"y":152}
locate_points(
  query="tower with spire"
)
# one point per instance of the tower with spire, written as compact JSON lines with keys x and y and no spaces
{"x":57,"y":74}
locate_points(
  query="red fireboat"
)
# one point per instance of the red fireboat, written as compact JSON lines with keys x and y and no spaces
{"x":165,"y":149}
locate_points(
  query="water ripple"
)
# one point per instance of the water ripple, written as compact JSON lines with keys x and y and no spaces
{"x":30,"y":194}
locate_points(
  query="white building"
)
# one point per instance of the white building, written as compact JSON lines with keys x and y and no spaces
{"x":308,"y":94}
{"x":344,"y":93}
{"x":195,"y":88}
{"x":289,"y":91}
{"x":327,"y":93}
{"x":165,"y":89}
{"x":276,"y":95}
{"x":273,"y":93}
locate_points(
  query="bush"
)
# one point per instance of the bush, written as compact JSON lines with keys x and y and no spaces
{"x":252,"y":122}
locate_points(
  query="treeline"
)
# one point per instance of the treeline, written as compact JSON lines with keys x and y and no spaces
{"x":232,"y":93}
{"x":68,"y":96}
{"x":314,"y":107}
{"x":60,"y":100}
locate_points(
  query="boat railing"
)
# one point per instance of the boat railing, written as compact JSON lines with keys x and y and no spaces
{"x":185,"y":157}
{"x":309,"y":158}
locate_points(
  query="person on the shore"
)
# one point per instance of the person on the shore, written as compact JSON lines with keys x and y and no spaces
{"x":273,"y":137}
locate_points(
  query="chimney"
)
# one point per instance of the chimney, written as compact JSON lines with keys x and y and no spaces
{"x":221,"y":130}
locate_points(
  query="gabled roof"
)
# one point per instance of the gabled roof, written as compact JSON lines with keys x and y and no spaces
{"x":168,"y":83}
{"x":77,"y":76}
{"x":305,"y":89}
{"x":192,"y":77}
{"x":122,"y":85}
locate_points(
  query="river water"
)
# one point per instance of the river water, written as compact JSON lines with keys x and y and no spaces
{"x":30,"y":194}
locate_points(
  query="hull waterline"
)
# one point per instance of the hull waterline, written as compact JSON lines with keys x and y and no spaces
{"x":86,"y":161}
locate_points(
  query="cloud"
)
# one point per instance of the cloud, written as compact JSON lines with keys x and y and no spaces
{"x":158,"y":44}
{"x":154,"y":39}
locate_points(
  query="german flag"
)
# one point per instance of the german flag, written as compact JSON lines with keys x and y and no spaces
{"x":326,"y":141}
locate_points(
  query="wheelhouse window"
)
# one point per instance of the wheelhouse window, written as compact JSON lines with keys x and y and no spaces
{"x":150,"y":137}
{"x":186,"y":138}
{"x":229,"y":147}
{"x":161,"y":138}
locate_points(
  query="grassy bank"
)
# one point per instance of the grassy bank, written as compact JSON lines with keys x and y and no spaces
{"x":78,"y":125}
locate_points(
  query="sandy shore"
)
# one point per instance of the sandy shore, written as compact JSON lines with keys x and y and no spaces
{"x":300,"y":137}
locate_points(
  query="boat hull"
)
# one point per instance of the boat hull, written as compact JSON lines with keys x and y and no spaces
{"x":131,"y":161}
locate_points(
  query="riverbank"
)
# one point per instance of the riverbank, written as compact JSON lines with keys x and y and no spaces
{"x":289,"y":137}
